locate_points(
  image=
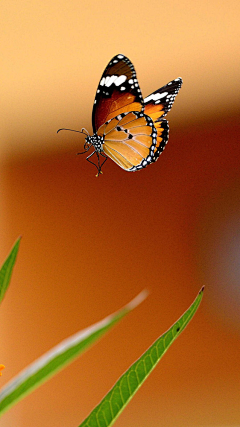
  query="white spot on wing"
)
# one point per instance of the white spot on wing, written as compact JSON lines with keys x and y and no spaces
{"x":102,"y":82}
{"x":110,"y":80}
{"x":155,"y":96}
{"x":119,"y":80}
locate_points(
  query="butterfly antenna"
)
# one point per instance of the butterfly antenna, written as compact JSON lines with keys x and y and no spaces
{"x":72,"y":130}
{"x":84,"y":131}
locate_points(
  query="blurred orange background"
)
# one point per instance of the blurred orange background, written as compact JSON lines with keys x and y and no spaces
{"x":90,"y":245}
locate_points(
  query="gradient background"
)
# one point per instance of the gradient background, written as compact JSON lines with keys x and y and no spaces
{"x":90,"y":245}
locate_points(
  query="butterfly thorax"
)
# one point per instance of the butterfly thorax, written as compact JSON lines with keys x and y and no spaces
{"x":96,"y":141}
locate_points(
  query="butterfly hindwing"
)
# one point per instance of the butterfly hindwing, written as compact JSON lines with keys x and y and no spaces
{"x":130,"y":140}
{"x":118,"y":92}
{"x":160,"y":102}
{"x":162,"y":129}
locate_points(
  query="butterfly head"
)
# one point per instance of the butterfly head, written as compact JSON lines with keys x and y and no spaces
{"x":95,"y":141}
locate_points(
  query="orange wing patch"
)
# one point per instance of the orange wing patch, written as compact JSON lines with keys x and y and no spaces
{"x":129,"y":152}
{"x":154,"y":111}
{"x":118,"y":158}
{"x":124,"y":104}
{"x":131,"y":142}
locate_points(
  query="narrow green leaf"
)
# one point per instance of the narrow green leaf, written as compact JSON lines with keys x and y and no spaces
{"x":109,"y":409}
{"x":58,"y":357}
{"x":7,"y":268}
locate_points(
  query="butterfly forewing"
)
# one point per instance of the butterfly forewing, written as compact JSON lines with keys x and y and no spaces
{"x":160,"y":102}
{"x":118,"y":92}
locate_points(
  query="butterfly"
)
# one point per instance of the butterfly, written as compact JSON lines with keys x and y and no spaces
{"x":128,"y":129}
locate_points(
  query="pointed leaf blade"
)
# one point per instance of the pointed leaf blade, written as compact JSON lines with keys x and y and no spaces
{"x":7,"y":268}
{"x":58,"y":357}
{"x":109,"y":409}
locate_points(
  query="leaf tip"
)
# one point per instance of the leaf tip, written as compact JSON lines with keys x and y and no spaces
{"x":19,"y":239}
{"x":138,"y":299}
{"x":201,"y":290}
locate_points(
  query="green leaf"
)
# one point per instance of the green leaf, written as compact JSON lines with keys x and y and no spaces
{"x":58,"y":357}
{"x":7,"y":268}
{"x":109,"y":409}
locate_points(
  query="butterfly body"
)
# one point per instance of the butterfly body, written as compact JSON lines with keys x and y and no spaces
{"x":128,"y":129}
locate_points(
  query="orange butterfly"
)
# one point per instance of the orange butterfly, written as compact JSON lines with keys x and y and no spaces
{"x":127,"y":128}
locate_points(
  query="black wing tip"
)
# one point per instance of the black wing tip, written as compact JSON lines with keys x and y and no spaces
{"x":176,"y":84}
{"x":180,"y":81}
{"x":119,"y":56}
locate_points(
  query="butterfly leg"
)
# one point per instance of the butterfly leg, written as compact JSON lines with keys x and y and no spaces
{"x":98,"y":167}
{"x":105,"y":159}
{"x":99,"y":163}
